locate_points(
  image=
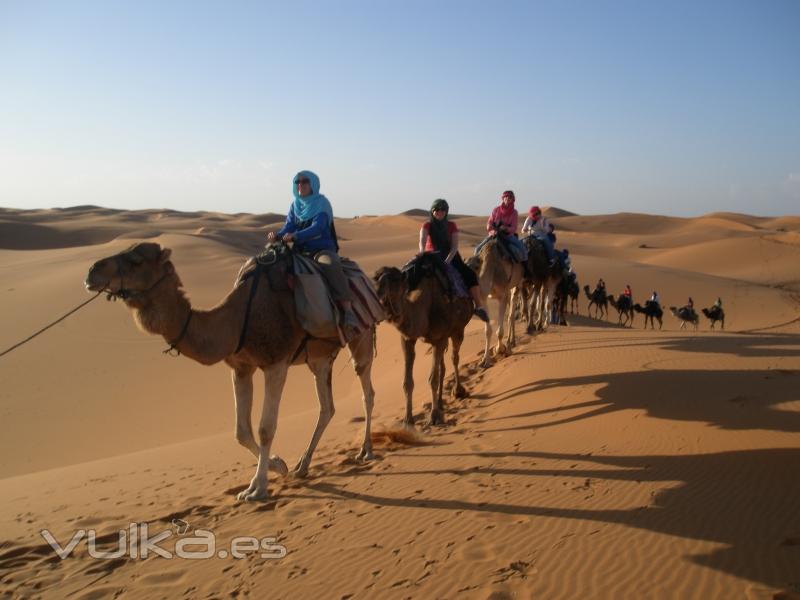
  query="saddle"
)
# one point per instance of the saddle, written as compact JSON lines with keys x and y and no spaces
{"x":431,"y":264}
{"x":288,"y":270}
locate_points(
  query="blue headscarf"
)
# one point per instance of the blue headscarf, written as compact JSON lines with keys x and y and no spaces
{"x":308,"y":207}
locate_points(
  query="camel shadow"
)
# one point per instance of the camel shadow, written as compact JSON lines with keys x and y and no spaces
{"x":734,"y":400}
{"x":773,"y":345}
{"x":584,"y":321}
{"x":744,"y":500}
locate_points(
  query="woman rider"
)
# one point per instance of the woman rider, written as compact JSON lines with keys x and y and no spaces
{"x":309,"y":224}
{"x":441,"y":235}
{"x":504,"y":219}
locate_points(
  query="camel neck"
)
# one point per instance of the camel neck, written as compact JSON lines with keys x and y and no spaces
{"x":207,"y":339}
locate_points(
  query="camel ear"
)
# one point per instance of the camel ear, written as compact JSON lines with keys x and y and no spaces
{"x":164,"y":256}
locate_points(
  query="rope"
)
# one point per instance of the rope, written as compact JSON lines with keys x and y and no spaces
{"x":45,"y":328}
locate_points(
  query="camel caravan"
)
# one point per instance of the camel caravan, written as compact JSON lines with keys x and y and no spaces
{"x":299,"y":302}
{"x":599,"y":300}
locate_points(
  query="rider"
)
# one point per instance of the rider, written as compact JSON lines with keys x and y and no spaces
{"x":718,"y":304}
{"x":601,"y":286}
{"x":689,"y":308}
{"x":566,"y":260}
{"x":441,"y":235}
{"x":627,"y":293}
{"x":537,"y":225}
{"x":504,"y":220}
{"x":309,"y":224}
{"x":655,"y":299}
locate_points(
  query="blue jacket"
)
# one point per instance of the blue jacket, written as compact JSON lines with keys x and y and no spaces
{"x":312,"y":235}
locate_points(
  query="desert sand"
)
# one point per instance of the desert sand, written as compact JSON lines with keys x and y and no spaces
{"x":596,"y":461}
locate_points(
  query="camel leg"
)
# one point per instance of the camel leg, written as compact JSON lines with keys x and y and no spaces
{"x":409,"y":353}
{"x":274,"y":380}
{"x":243,"y":395}
{"x":436,"y":381}
{"x":541,"y":308}
{"x":361,"y":352}
{"x":487,"y":359}
{"x":501,"y":321}
{"x":532,"y":299}
{"x":512,"y":338}
{"x":322,"y":368}
{"x":458,"y":389}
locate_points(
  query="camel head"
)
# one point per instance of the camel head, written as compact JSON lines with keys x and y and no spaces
{"x":474,"y":262}
{"x":132,"y":272}
{"x":391,"y":287}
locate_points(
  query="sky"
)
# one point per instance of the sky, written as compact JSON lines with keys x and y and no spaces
{"x":671,"y":107}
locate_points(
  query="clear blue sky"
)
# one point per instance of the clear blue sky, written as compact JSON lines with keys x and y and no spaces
{"x":666,"y":107}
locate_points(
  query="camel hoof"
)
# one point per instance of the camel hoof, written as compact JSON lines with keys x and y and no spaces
{"x":437,"y":418}
{"x":257,"y":496}
{"x":460,"y":392}
{"x":242,"y":496}
{"x":485,"y":364}
{"x":365,"y":455}
{"x":278,"y":465}
{"x":300,"y":471}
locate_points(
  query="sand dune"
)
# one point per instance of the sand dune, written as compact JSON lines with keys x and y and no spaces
{"x":594,"y":461}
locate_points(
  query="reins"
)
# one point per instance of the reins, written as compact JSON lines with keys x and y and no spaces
{"x":46,"y":327}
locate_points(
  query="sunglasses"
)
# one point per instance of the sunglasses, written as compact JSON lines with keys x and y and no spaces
{"x":301,"y":181}
{"x":438,"y":210}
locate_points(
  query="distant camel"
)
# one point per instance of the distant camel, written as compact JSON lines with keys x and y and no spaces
{"x":651,"y":310}
{"x":624,"y":308}
{"x":714,"y":314}
{"x":498,"y":277}
{"x":266,"y":336}
{"x":427,"y":312}
{"x":599,"y":300}
{"x":685,"y":315}
{"x":538,"y":289}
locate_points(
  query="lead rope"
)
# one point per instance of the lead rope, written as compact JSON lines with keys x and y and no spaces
{"x":46,"y":327}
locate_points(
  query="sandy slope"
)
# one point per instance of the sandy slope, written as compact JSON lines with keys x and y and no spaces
{"x":595,"y":461}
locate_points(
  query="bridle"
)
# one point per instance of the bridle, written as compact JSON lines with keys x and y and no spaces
{"x":125,"y":294}
{"x":394,"y":314}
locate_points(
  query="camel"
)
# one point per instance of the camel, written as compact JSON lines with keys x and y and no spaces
{"x":714,"y":314}
{"x":539,"y":285}
{"x":685,"y":315}
{"x":498,"y":277}
{"x":573,"y":291}
{"x":651,"y":310}
{"x":427,"y":312}
{"x":599,"y":300}
{"x":624,"y":308}
{"x":268,"y":337}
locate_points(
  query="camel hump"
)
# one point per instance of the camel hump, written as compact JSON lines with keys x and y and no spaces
{"x":431,"y":264}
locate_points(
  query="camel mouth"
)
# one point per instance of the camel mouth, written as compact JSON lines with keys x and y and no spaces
{"x":94,"y":286}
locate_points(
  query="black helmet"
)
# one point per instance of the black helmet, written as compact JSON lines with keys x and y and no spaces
{"x":440,"y":203}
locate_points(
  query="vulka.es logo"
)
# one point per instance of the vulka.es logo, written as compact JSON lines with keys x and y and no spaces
{"x":137,"y":542}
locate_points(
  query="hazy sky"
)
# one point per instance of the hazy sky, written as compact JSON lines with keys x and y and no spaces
{"x":662,"y":106}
